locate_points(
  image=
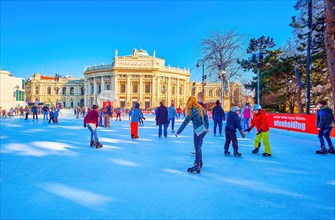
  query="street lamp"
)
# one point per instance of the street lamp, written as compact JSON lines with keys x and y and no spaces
{"x":222,"y":76}
{"x":203,"y":73}
{"x":256,"y":58}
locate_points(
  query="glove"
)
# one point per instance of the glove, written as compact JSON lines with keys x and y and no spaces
{"x":242,"y":134}
{"x":248,"y":130}
{"x":84,"y":125}
{"x":143,"y":118}
{"x":260,"y":131}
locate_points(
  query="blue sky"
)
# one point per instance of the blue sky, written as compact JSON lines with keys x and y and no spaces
{"x":65,"y":36}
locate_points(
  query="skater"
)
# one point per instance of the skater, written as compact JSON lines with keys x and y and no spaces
{"x":246,"y":115}
{"x":55,"y":116}
{"x":45,"y":112}
{"x":218,"y":116}
{"x":260,"y":121}
{"x":233,"y":123}
{"x":172,"y":114}
{"x":135,"y":115}
{"x":179,"y":112}
{"x":100,"y":117}
{"x":162,"y":119}
{"x":324,"y":119}
{"x":26,"y":110}
{"x":118,"y":114}
{"x":34,"y":111}
{"x":91,"y":121}
{"x":196,"y":114}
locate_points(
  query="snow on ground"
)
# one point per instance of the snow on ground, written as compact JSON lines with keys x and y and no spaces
{"x":49,"y":172}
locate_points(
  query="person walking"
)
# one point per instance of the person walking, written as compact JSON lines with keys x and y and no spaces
{"x":172,"y":114}
{"x":135,"y":115}
{"x":162,"y":119}
{"x":218,"y":115}
{"x":199,"y":118}
{"x":26,"y":110}
{"x":91,"y":122}
{"x":324,"y":121}
{"x":260,"y":121}
{"x":118,"y":114}
{"x":246,"y":115}
{"x":233,"y":123}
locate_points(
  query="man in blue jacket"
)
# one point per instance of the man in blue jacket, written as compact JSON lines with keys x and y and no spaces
{"x":218,"y":115}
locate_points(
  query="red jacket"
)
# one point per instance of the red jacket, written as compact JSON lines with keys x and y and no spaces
{"x":260,"y":121}
{"x":91,"y":117}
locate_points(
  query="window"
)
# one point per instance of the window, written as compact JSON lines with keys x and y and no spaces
{"x":99,"y":89}
{"x":23,"y":83}
{"x":210,"y":93}
{"x":135,"y":88}
{"x":49,"y":90}
{"x":37,"y":89}
{"x":218,"y":92}
{"x":71,"y":91}
{"x":56,"y":90}
{"x":123,"y":88}
{"x":147,"y":88}
{"x":64,"y":90}
{"x":180,"y":90}
{"x":163,"y":89}
{"x":108,"y":86}
{"x":173,"y":89}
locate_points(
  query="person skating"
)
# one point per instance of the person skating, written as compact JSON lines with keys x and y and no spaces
{"x":260,"y":121}
{"x":135,"y":115}
{"x":51,"y":116}
{"x":218,"y":115}
{"x":233,"y":123}
{"x":34,"y":111}
{"x":26,"y":110}
{"x":172,"y":114}
{"x":162,"y":119}
{"x":246,"y":115}
{"x":196,"y":114}
{"x":45,"y":112}
{"x":91,"y":121}
{"x":324,"y":117}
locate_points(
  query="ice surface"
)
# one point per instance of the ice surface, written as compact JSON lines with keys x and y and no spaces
{"x":49,"y":172}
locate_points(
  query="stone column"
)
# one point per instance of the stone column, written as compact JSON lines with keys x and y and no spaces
{"x":168,"y":99}
{"x":176,"y":103}
{"x":128,"y":90}
{"x":141,"y":91}
{"x":94,"y":90}
{"x":153,"y":92}
{"x":102,"y":82}
{"x":158,"y":91}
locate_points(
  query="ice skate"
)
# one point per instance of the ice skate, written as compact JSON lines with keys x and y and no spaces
{"x":226,"y":153}
{"x":323,"y":150}
{"x":256,"y":150}
{"x":194,"y":169}
{"x":237,"y":154}
{"x":92,"y":143}
{"x":331,"y":150}
{"x":98,"y":145}
{"x":266,"y":155}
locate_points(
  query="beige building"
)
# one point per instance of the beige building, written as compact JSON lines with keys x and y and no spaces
{"x":137,"y":77}
{"x":67,"y":91}
{"x":12,"y":90}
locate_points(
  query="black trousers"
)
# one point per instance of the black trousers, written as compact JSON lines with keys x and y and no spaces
{"x":231,"y":137}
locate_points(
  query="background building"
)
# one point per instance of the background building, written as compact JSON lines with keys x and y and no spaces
{"x":12,"y":90}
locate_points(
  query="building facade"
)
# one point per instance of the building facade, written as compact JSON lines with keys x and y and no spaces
{"x":137,"y":77}
{"x":12,"y":90}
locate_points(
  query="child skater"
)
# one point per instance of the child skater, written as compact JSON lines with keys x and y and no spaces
{"x":233,"y":123}
{"x":135,"y":115}
{"x":91,"y":121}
{"x":260,"y":121}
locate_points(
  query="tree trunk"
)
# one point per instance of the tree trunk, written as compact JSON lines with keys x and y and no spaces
{"x":330,"y":43}
{"x":301,"y":107}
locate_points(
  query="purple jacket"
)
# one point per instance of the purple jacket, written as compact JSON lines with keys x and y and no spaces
{"x":162,"y":115}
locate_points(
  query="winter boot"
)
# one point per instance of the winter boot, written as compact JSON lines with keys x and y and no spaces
{"x":266,"y":155}
{"x":255,"y":151}
{"x":226,"y":152}
{"x":195,"y":168}
{"x":331,"y":150}
{"x":98,"y":145}
{"x":237,"y":154}
{"x":92,"y":143}
{"x":323,"y":150}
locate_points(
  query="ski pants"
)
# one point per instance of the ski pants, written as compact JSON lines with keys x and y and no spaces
{"x":94,"y":132}
{"x":172,"y":123}
{"x":265,"y":137}
{"x":231,"y":137}
{"x":325,"y":133}
{"x":160,"y":129}
{"x":134,"y":129}
{"x":198,"y":140}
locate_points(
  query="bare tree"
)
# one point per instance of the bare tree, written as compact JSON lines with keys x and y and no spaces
{"x":220,"y":51}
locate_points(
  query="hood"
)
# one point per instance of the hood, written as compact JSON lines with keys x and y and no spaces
{"x":327,"y":109}
{"x":230,"y":113}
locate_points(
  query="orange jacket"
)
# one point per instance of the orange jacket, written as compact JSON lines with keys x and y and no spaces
{"x":260,"y":121}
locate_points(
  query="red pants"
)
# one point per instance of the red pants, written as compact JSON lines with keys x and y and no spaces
{"x":134,"y":129}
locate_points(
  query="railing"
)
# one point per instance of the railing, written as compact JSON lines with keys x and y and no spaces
{"x":102,"y":67}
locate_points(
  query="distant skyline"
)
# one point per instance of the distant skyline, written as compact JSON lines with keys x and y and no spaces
{"x":62,"y":37}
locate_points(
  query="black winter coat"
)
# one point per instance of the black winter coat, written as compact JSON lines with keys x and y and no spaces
{"x":324,"y":118}
{"x":162,"y":115}
{"x":233,"y":121}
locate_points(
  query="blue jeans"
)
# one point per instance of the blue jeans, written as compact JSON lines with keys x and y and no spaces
{"x":160,"y":130}
{"x":245,"y":124}
{"x":45,"y":115}
{"x":94,"y":132}
{"x":197,"y":147}
{"x":218,"y":120}
{"x":325,"y":133}
{"x":172,"y":123}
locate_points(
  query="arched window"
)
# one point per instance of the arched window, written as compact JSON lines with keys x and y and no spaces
{"x":147,"y":88}
{"x":71,"y":91}
{"x":123,"y":88}
{"x":180,"y":90}
{"x":99,"y":89}
{"x":49,"y":90}
{"x":218,"y":92}
{"x":56,"y":90}
{"x":82,"y":91}
{"x":173,"y":90}
{"x":108,"y":86}
{"x":210,"y":93}
{"x":37,"y":90}
{"x":64,"y":90}
{"x":163,"y":89}
{"x":135,"y":88}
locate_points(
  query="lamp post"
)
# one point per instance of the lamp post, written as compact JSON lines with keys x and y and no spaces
{"x":222,"y":76}
{"x":201,"y":61}
{"x":256,"y":58}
